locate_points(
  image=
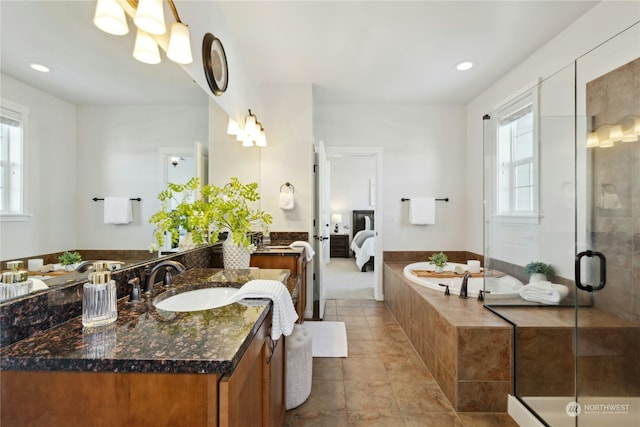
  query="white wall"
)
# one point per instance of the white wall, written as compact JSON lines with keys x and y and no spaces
{"x":599,"y":24}
{"x":242,"y":92}
{"x":424,"y":155}
{"x":288,"y":157}
{"x":118,"y":152}
{"x":50,"y":157}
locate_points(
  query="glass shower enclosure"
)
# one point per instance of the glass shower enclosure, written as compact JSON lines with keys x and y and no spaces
{"x":562,"y":187}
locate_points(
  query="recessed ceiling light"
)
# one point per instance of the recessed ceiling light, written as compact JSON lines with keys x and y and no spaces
{"x":40,"y":67}
{"x":463,"y":66}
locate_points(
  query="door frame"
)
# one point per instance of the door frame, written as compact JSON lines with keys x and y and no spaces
{"x":377,"y":154}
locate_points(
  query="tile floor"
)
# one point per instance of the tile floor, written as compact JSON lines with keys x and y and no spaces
{"x":383,"y":382}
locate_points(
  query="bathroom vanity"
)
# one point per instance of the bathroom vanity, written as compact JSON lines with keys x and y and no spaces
{"x":216,"y":367}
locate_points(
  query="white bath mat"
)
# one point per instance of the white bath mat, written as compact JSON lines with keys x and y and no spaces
{"x":328,"y":339}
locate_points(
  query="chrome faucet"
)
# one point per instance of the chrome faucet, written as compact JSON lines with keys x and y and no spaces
{"x":463,"y":286}
{"x":168,"y":277}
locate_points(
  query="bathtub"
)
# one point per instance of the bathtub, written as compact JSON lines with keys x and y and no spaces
{"x":500,"y":287}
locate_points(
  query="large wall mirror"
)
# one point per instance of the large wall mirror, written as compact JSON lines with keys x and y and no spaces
{"x":99,"y":121}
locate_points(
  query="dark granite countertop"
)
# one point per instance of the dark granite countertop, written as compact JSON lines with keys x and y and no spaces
{"x":144,"y":339}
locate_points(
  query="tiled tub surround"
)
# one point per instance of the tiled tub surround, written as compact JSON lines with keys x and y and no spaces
{"x":607,"y":352}
{"x":468,"y":349}
{"x":146,"y":340}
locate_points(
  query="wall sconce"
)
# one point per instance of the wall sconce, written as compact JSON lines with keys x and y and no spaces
{"x":604,"y":136}
{"x":149,"y":19}
{"x":337,"y":218}
{"x":252,"y":132}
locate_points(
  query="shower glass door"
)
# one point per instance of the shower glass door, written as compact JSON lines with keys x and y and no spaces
{"x":607,"y":339}
{"x":562,"y":186}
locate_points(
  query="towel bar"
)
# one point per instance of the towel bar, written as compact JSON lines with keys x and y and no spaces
{"x":137,"y":199}
{"x":446,"y":199}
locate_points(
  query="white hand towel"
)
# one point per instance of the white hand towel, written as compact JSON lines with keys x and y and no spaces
{"x":284,"y":313}
{"x":307,"y":249}
{"x":544,"y":292}
{"x":422,"y":210}
{"x":287,"y":202}
{"x":117,"y":210}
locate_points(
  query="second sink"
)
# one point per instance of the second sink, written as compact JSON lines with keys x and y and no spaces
{"x":195,"y":300}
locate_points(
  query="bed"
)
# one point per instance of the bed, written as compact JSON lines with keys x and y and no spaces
{"x":363,"y":242}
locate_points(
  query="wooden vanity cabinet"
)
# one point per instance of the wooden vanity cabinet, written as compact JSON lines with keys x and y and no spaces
{"x":292,"y":261}
{"x":254,"y":394}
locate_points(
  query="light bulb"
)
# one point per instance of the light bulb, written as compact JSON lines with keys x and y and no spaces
{"x":232,"y":127}
{"x":179,"y":44}
{"x":261,"y":140}
{"x":247,"y":141}
{"x":592,"y":140}
{"x":150,"y":16}
{"x":146,"y":48}
{"x":615,"y":134}
{"x":250,"y":126}
{"x":109,"y":17}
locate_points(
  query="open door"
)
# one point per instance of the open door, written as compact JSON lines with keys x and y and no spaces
{"x":321,"y":229}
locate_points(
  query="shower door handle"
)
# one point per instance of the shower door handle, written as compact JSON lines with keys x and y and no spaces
{"x":603,"y":271}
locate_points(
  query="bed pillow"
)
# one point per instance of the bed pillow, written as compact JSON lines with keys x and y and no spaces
{"x":367,"y":223}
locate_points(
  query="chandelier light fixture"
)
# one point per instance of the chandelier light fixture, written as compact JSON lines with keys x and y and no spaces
{"x":605,"y":135}
{"x":251,"y":133}
{"x":148,"y":18}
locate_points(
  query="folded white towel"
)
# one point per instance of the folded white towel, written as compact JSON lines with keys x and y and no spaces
{"x":422,"y":210}
{"x":544,"y":292}
{"x":307,"y":249}
{"x":287,"y":201}
{"x":284,"y":313}
{"x":117,"y":210}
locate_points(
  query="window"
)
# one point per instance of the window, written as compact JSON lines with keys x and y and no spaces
{"x":13,"y":120}
{"x":516,"y":180}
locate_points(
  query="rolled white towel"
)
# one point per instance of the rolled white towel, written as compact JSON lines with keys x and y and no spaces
{"x":544,"y":292}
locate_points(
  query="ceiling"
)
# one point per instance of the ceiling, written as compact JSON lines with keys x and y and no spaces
{"x":371,"y":52}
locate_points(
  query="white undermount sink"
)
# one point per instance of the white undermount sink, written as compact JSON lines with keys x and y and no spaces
{"x":195,"y":300}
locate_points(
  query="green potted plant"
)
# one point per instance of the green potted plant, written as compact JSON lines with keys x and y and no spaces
{"x":205,"y":212}
{"x":70,"y":259}
{"x":538,"y":271}
{"x":439,"y":260}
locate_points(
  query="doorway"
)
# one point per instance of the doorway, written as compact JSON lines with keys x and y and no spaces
{"x":356,"y":185}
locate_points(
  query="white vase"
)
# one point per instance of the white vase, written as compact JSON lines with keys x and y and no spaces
{"x":439,"y":269}
{"x":537,"y":277}
{"x":234,"y":256}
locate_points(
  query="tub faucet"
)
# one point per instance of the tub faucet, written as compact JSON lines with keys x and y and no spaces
{"x":168,"y":277}
{"x":463,"y":286}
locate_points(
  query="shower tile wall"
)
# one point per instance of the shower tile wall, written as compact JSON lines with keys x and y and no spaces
{"x":616,"y":177}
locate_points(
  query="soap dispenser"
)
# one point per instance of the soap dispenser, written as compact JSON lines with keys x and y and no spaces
{"x":99,"y":302}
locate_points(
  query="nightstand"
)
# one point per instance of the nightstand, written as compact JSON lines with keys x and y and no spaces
{"x":339,"y":246}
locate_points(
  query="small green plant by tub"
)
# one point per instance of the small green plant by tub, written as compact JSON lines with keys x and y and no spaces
{"x":538,"y":267}
{"x":439,"y":260}
{"x":68,"y":258}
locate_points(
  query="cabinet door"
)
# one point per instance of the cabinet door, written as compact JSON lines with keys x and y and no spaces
{"x":275,"y":382}
{"x":242,"y":393}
